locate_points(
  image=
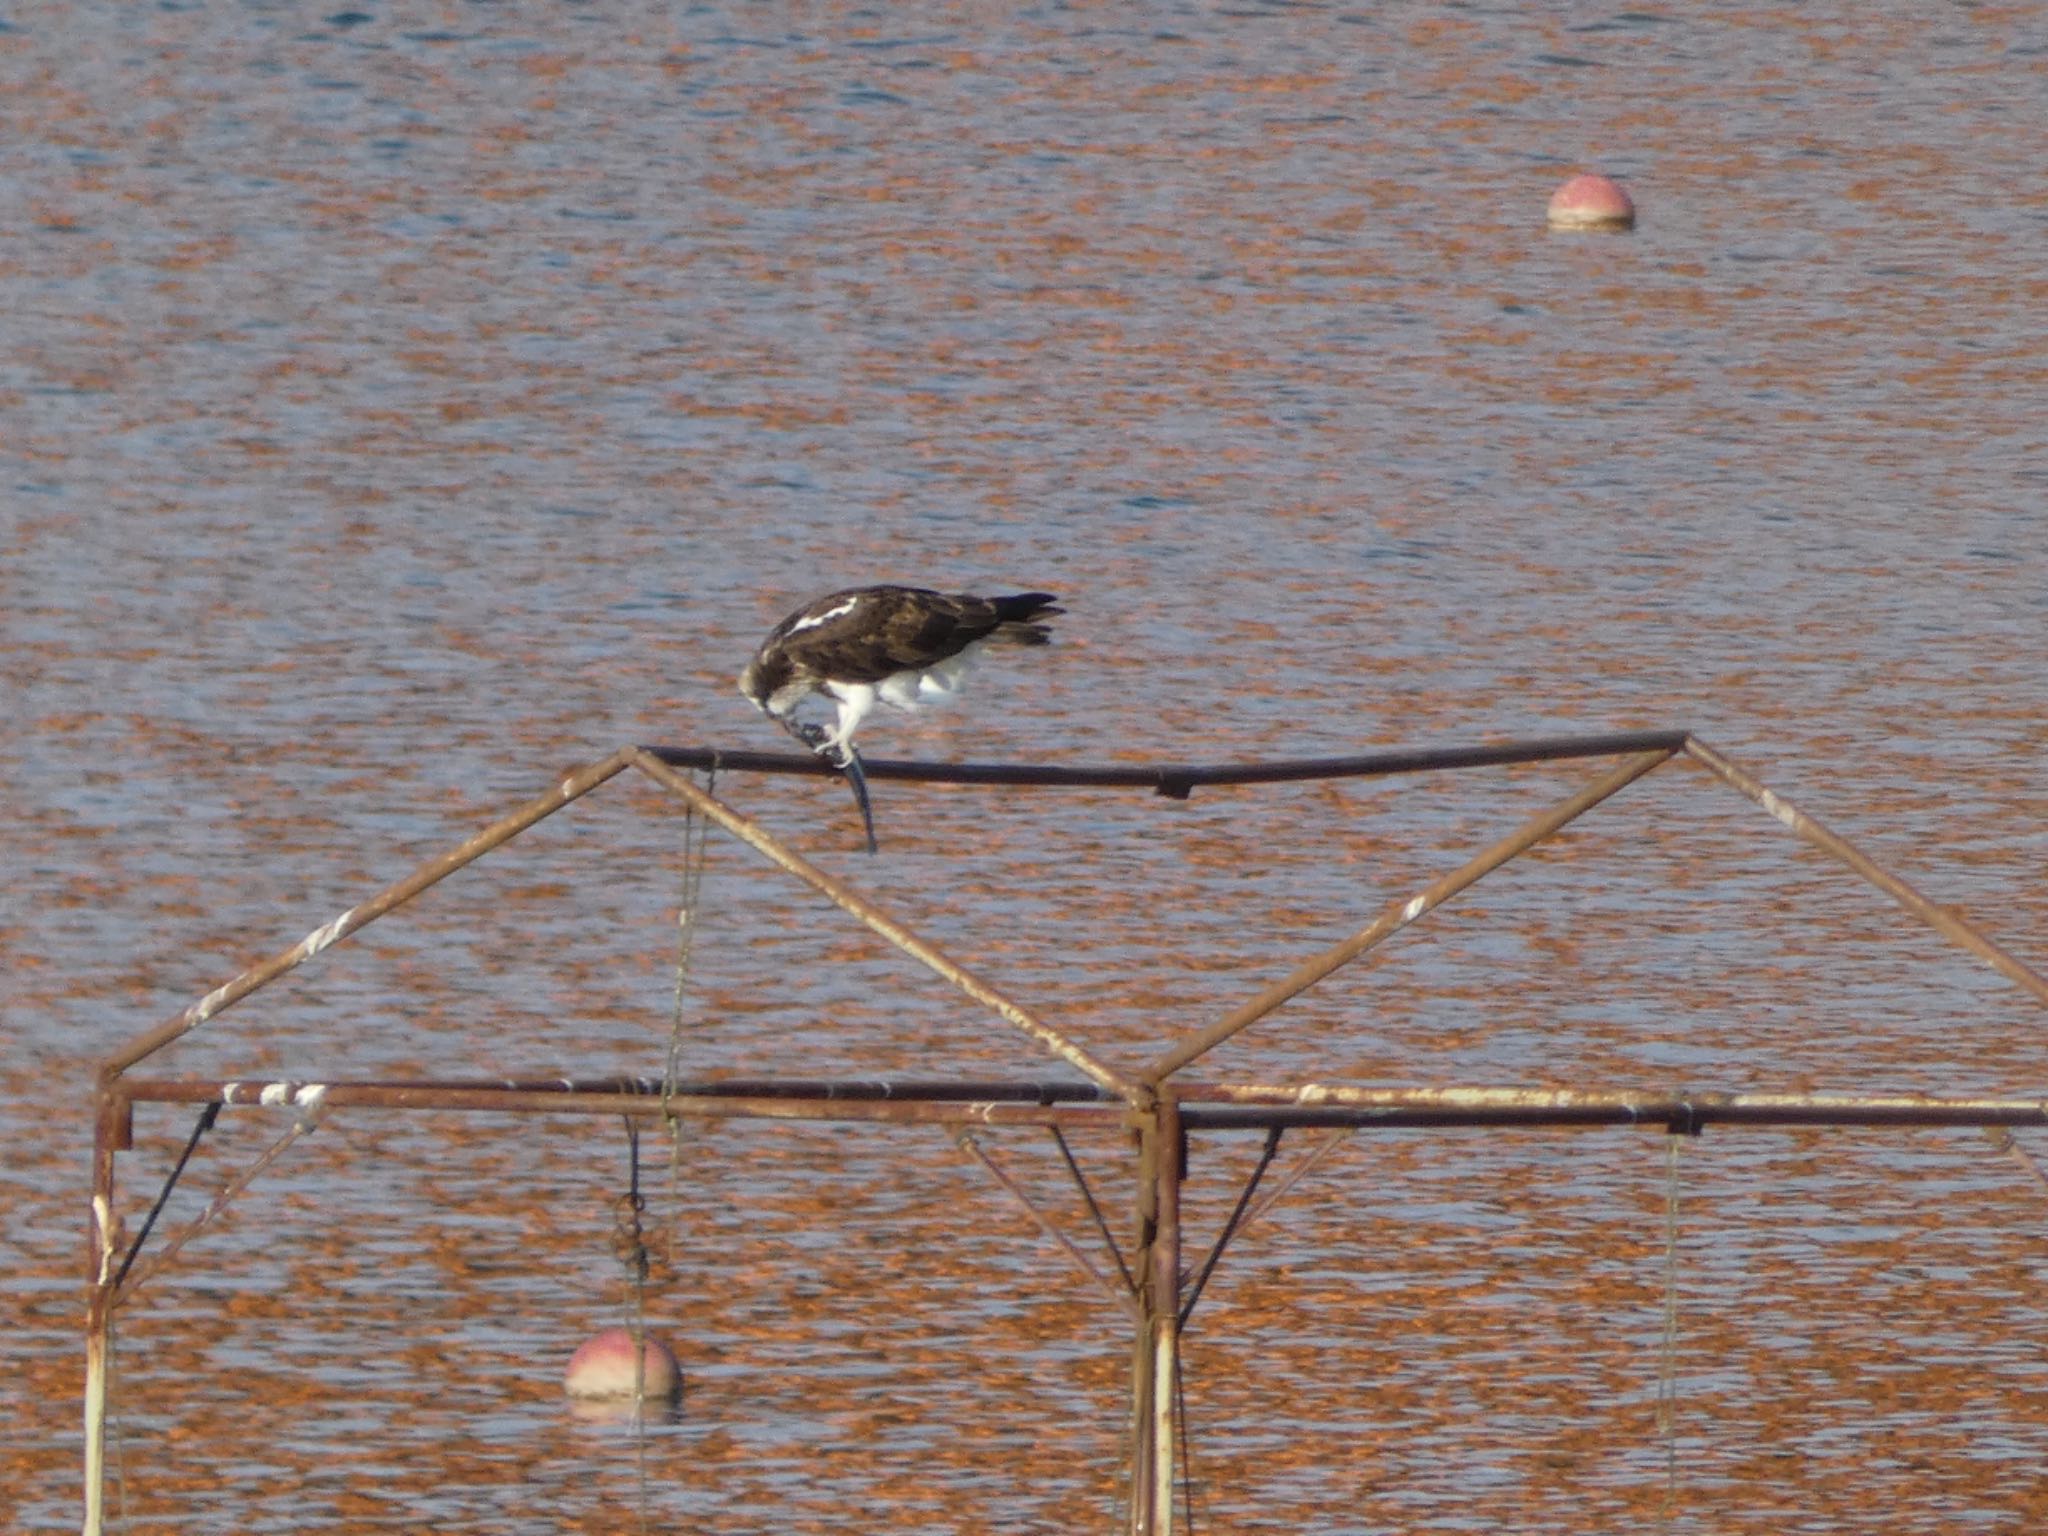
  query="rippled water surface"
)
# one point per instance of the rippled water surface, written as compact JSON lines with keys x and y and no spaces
{"x":404,"y":404}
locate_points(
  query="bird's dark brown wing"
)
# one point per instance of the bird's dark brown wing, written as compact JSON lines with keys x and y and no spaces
{"x":931,"y":626}
{"x":864,"y":634}
{"x":861,"y":634}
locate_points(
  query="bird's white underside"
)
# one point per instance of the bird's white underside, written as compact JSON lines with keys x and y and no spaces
{"x":905,"y":690}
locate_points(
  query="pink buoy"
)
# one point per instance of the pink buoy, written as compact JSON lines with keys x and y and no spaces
{"x":602,"y":1367}
{"x":1591,"y":202}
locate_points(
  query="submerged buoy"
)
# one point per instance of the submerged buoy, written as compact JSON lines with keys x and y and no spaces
{"x":1591,"y":202}
{"x":602,"y":1367}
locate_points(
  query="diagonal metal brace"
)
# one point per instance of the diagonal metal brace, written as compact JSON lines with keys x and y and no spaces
{"x":858,"y":906}
{"x":1101,"y":1223}
{"x":207,"y":1116}
{"x":1230,"y":1227}
{"x":1046,"y":1224}
{"x":1951,"y":926}
{"x":312,"y":1110}
{"x":1400,"y":914}
{"x":1330,"y":1143}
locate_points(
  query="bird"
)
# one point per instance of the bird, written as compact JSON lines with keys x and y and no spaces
{"x":895,"y":645}
{"x":901,"y":646}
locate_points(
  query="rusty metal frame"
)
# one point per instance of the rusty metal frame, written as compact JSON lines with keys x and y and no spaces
{"x":1151,"y":1107}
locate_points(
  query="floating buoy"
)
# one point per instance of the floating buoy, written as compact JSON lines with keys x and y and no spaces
{"x":1591,"y":202}
{"x":602,"y":1367}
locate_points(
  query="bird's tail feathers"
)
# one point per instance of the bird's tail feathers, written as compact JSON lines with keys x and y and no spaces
{"x":1020,"y":615}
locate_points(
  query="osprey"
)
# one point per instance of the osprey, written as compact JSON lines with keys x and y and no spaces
{"x":902,"y":646}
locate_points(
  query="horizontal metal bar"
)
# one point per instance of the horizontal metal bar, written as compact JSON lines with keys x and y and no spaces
{"x":631,"y":1097}
{"x":1177,"y":779}
{"x":1210,"y":1106}
{"x":195,"y":1090}
{"x":1248,"y":1106}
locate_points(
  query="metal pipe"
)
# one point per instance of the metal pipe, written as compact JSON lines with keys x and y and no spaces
{"x":1018,"y":1110}
{"x":910,"y":1090}
{"x":99,"y":1307}
{"x":1208,"y":1106}
{"x":1401,"y":913}
{"x":572,"y":787}
{"x":1165,"y":1312}
{"x":1175,"y":780}
{"x":1957,"y":930}
{"x":1144,"y":1341}
{"x":1257,"y":1106}
{"x":851,"y":901}
{"x":1155,"y":1356}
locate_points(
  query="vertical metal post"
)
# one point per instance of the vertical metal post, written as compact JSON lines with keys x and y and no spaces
{"x":1165,"y":1269}
{"x":1147,"y":1203}
{"x":111,"y":1132}
{"x":1155,"y":1357}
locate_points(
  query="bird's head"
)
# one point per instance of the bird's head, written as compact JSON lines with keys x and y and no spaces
{"x":761,"y":677}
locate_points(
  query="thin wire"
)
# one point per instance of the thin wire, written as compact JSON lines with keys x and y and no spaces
{"x":696,"y":839}
{"x":1273,"y":1196}
{"x":1094,"y":1210}
{"x":689,"y":905}
{"x":206,"y":1118}
{"x":1667,"y":1375}
{"x":1272,"y":1148}
{"x":1187,"y":1447}
{"x":308,"y":1120}
{"x":2002,"y":1139}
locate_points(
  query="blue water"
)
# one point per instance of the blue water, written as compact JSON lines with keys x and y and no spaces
{"x":404,"y":406}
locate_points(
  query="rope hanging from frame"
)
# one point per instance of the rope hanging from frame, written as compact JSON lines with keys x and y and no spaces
{"x":629,"y":1226}
{"x":629,"y":1245}
{"x":696,"y":841}
{"x":689,"y":907}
